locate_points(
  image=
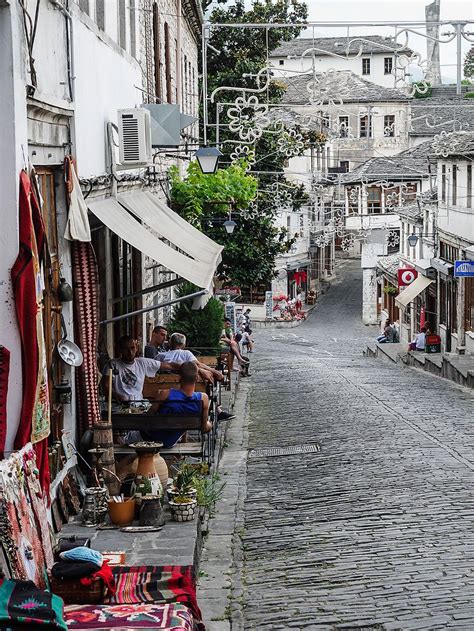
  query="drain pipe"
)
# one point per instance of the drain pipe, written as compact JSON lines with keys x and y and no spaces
{"x":70,"y":45}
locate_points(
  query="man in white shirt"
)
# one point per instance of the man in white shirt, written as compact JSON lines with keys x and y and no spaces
{"x":179,"y":354}
{"x":129,"y":371}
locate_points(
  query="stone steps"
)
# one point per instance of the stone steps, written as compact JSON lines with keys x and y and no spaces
{"x":451,"y":366}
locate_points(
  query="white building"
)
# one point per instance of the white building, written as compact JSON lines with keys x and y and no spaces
{"x":63,"y":81}
{"x":373,"y":57}
{"x":455,"y":240}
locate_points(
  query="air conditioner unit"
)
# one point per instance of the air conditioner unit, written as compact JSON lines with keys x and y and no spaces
{"x":134,"y":137}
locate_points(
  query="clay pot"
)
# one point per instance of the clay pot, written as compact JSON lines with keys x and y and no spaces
{"x":122,"y":513}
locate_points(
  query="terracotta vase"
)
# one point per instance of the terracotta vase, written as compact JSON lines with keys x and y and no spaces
{"x":150,"y":464}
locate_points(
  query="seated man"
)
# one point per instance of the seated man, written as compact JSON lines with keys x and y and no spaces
{"x":157,"y":343}
{"x":184,"y":401}
{"x":178,"y":354}
{"x":129,"y":371}
{"x":229,"y":343}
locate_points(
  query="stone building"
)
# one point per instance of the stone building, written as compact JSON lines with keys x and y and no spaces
{"x":373,"y":57}
{"x":65,"y":72}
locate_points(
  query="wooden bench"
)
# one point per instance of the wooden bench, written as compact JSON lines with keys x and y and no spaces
{"x":148,"y":422}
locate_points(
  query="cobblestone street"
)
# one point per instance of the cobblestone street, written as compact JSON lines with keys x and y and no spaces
{"x":375,"y":530}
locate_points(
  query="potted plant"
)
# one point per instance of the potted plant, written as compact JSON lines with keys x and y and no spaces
{"x":183,"y":483}
{"x":183,"y":507}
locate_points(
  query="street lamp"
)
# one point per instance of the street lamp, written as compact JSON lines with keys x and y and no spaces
{"x":229,"y":225}
{"x":412,"y":240}
{"x":208,"y":158}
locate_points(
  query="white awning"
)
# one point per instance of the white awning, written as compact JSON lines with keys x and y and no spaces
{"x":169,"y":225}
{"x":195,"y":265}
{"x":411,"y":292}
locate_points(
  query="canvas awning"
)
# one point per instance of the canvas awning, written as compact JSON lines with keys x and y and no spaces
{"x":411,"y":292}
{"x":195,"y":259}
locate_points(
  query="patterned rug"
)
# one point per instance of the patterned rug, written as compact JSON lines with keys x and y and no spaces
{"x":138,"y":616}
{"x":4,"y":373}
{"x":158,"y":585}
{"x":86,"y":316}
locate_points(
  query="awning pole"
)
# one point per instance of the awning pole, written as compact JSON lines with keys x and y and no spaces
{"x":168,"y":283}
{"x":153,"y":307}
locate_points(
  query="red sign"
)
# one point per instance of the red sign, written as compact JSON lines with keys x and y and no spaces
{"x":406,"y":276}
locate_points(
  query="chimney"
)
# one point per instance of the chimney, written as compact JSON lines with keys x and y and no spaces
{"x":433,"y":72}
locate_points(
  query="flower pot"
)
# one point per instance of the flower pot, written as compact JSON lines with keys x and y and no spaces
{"x":183,"y":511}
{"x":122,"y":513}
{"x":172,"y":493}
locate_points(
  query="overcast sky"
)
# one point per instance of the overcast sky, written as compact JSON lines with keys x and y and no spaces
{"x":391,"y":10}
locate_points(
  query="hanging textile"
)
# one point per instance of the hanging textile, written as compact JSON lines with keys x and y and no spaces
{"x":422,"y":317}
{"x":77,"y":227}
{"x":4,"y":373}
{"x":300,"y":277}
{"x":86,"y":317}
{"x":27,"y":288}
{"x":24,"y":531}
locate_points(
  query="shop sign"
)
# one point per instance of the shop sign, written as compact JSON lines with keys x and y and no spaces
{"x":268,"y":305}
{"x":229,"y":310}
{"x":233,"y":292}
{"x":406,"y":276}
{"x":464,"y":268}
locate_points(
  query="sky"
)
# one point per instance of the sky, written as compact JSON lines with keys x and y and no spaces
{"x":392,"y":10}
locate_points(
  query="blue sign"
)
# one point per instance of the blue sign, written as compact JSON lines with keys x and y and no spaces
{"x":464,"y":268}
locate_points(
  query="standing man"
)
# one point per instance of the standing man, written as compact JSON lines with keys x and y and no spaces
{"x":157,"y":343}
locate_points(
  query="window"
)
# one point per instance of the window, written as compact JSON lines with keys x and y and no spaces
{"x":168,"y":63}
{"x":469,"y":186}
{"x":388,"y":65}
{"x":288,"y":227}
{"x":469,"y":304}
{"x":366,"y":65}
{"x":156,"y":51}
{"x":389,"y":126}
{"x":443,"y":183}
{"x":374,"y":199}
{"x":281,"y":62}
{"x":100,"y":13}
{"x":448,"y":252}
{"x":343,"y":126}
{"x":133,"y":30}
{"x":365,"y":126}
{"x":122,"y":25}
{"x":344,"y":164}
{"x":455,"y":185}
{"x":84,"y":5}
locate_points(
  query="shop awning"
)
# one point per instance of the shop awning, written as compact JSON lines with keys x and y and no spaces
{"x":195,"y":259}
{"x":411,"y":292}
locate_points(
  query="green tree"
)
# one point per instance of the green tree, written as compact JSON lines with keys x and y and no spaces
{"x":469,"y":64}
{"x":250,"y":253}
{"x":202,"y":327}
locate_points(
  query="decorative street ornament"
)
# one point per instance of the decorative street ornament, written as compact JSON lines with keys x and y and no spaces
{"x":392,"y":238}
{"x":445,"y":144}
{"x":290,"y":143}
{"x":328,"y":88}
{"x":347,"y":242}
{"x":245,"y":152}
{"x":248,"y":118}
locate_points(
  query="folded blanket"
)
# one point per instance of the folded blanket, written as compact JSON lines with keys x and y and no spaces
{"x":175,"y":617}
{"x":158,"y":585}
{"x":23,"y":605}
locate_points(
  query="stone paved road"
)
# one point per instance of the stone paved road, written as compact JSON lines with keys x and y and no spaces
{"x":376,"y":531}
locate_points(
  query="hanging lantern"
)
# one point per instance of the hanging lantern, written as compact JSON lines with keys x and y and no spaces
{"x":64,"y":291}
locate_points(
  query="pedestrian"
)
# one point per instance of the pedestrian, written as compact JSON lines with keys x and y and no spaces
{"x":247,"y":341}
{"x":419,"y":342}
{"x":389,"y":333}
{"x":299,"y":302}
{"x":247,"y":320}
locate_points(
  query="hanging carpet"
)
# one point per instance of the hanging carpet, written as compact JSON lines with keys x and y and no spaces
{"x":27,"y":289}
{"x":86,"y":311}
